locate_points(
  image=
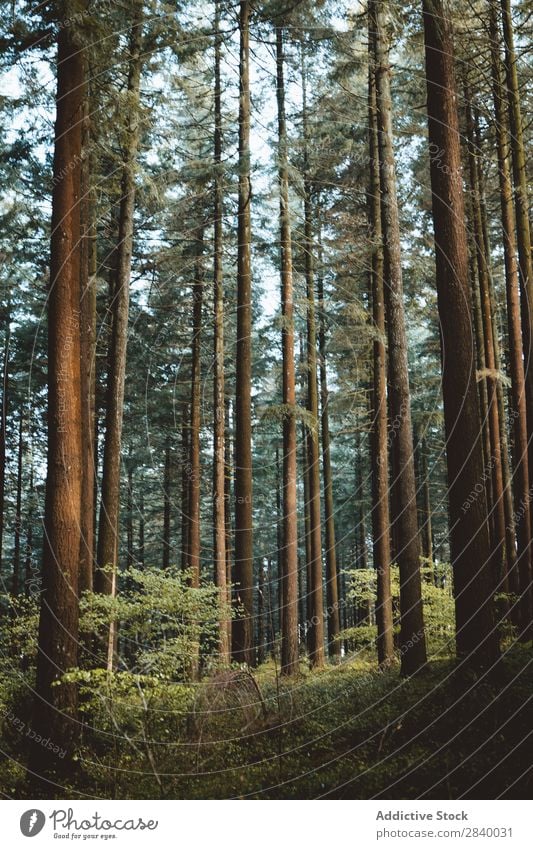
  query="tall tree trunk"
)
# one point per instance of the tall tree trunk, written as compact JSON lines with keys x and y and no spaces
{"x":261,"y":615}
{"x":412,"y":636}
{"x":522,"y":514}
{"x":243,"y":626}
{"x":141,"y":523}
{"x":379,"y":454}
{"x":510,"y":530}
{"x":185,"y":471}
{"x":360,"y":513}
{"x":219,"y":459}
{"x":523,"y":233}
{"x":129,"y":515}
{"x":489,"y":375}
{"x":228,"y":478}
{"x":108,"y":526}
{"x":29,"y":577}
{"x":469,"y":537}
{"x":279,"y":543}
{"x":55,"y":707}
{"x":3,"y":423}
{"x":193,"y":503}
{"x":315,"y":587}
{"x":332,"y":585}
{"x":427,"y":526}
{"x":306,"y":506}
{"x":289,"y":636}
{"x":88,"y":357}
{"x":483,"y":397}
{"x":18,"y":508}
{"x":167,"y":477}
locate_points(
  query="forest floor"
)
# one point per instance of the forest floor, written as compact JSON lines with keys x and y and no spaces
{"x":345,"y":732}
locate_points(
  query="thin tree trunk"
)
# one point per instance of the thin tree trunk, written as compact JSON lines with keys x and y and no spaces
{"x":510,"y":530}
{"x":412,"y":634}
{"x":315,"y":588}
{"x":3,"y":423}
{"x":427,"y":528}
{"x":261,"y":615}
{"x":18,"y":508}
{"x":360,"y":524}
{"x":141,"y":522}
{"x":522,"y":514}
{"x":167,"y":504}
{"x":228,"y":477}
{"x":185,"y":472}
{"x":332,"y":585}
{"x":129,"y":515}
{"x":379,"y":433}
{"x":523,"y":238}
{"x":219,"y":505}
{"x":55,"y":707}
{"x":306,"y":510}
{"x":29,"y":577}
{"x":495,"y":463}
{"x":193,"y":561}
{"x":243,"y":626}
{"x":523,"y":233}
{"x":483,"y":397}
{"x":279,"y":543}
{"x":469,"y":538}
{"x":88,"y":358}
{"x":108,"y":526}
{"x":289,"y":636}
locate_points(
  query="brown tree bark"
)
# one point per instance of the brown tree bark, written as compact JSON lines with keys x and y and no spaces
{"x":522,"y":514}
{"x":29,"y":577}
{"x":167,"y":482}
{"x":332,"y":584}
{"x":261,"y":615}
{"x":289,"y":578}
{"x":427,"y":525}
{"x":88,"y":267}
{"x":108,"y":526}
{"x":18,"y":508}
{"x":510,"y":530}
{"x":185,"y":470}
{"x":242,"y":648}
{"x":305,"y":511}
{"x":525,"y":265}
{"x":379,"y":455}
{"x":412,"y":635}
{"x":193,"y":500}
{"x":140,"y":556}
{"x":228,"y":477}
{"x":55,"y":707}
{"x":494,"y":469}
{"x":483,"y":397}
{"x":129,"y":514}
{"x":315,"y":585}
{"x":360,"y":523}
{"x":523,"y":233}
{"x":469,"y":538}
{"x":219,"y":437}
{"x":3,"y":423}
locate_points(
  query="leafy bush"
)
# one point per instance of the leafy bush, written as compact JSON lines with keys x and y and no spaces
{"x":439,"y":615}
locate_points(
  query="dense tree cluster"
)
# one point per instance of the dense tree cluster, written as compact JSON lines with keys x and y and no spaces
{"x":266,"y":292}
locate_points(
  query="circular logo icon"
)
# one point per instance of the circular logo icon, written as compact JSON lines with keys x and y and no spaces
{"x":32,"y":822}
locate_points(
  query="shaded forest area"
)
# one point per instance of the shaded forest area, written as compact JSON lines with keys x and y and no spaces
{"x":266,"y":455}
